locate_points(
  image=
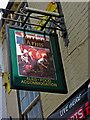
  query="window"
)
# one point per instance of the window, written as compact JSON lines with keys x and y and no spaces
{"x":35,"y":111}
{"x":30,"y":104}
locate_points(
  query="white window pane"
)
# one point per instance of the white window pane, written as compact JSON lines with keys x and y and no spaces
{"x":35,"y":112}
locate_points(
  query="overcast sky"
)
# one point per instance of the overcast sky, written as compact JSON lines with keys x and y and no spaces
{"x":3,"y":3}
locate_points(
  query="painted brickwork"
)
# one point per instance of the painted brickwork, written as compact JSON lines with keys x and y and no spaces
{"x":9,"y":101}
{"x":75,"y":57}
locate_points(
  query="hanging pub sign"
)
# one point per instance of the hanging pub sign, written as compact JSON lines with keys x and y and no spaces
{"x":77,"y":107}
{"x":35,"y":61}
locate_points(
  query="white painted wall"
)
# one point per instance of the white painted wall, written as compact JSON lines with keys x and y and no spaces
{"x":0,"y":98}
{"x":2,"y":89}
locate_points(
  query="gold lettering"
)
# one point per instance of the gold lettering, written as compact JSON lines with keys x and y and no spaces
{"x":34,"y":81}
{"x":34,"y":41}
{"x":28,"y":42}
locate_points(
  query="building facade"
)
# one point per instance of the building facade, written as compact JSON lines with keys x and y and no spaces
{"x":75,"y":58}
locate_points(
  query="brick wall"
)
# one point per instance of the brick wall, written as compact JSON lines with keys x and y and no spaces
{"x":75,"y":56}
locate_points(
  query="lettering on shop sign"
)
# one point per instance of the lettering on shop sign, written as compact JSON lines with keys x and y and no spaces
{"x":38,"y":81}
{"x":76,"y":107}
{"x":34,"y":40}
{"x":80,"y":114}
{"x":70,"y":105}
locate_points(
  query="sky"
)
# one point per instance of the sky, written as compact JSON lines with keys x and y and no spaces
{"x":3,"y":3}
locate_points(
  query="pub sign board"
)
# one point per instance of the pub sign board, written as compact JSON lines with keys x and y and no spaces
{"x":35,"y":61}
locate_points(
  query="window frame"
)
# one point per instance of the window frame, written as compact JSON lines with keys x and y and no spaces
{"x":33,"y":103}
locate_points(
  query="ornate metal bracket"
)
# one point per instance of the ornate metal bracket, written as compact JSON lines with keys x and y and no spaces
{"x":54,"y":19}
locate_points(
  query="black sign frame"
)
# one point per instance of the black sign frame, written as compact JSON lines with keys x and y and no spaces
{"x":58,"y":85}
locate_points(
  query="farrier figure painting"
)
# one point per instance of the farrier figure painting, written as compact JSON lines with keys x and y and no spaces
{"x":34,"y":55}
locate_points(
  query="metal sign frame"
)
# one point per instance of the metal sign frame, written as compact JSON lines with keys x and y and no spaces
{"x":49,"y":20}
{"x":33,"y":83}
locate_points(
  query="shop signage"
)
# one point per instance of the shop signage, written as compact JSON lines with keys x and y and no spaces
{"x":78,"y":108}
{"x":35,"y":61}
